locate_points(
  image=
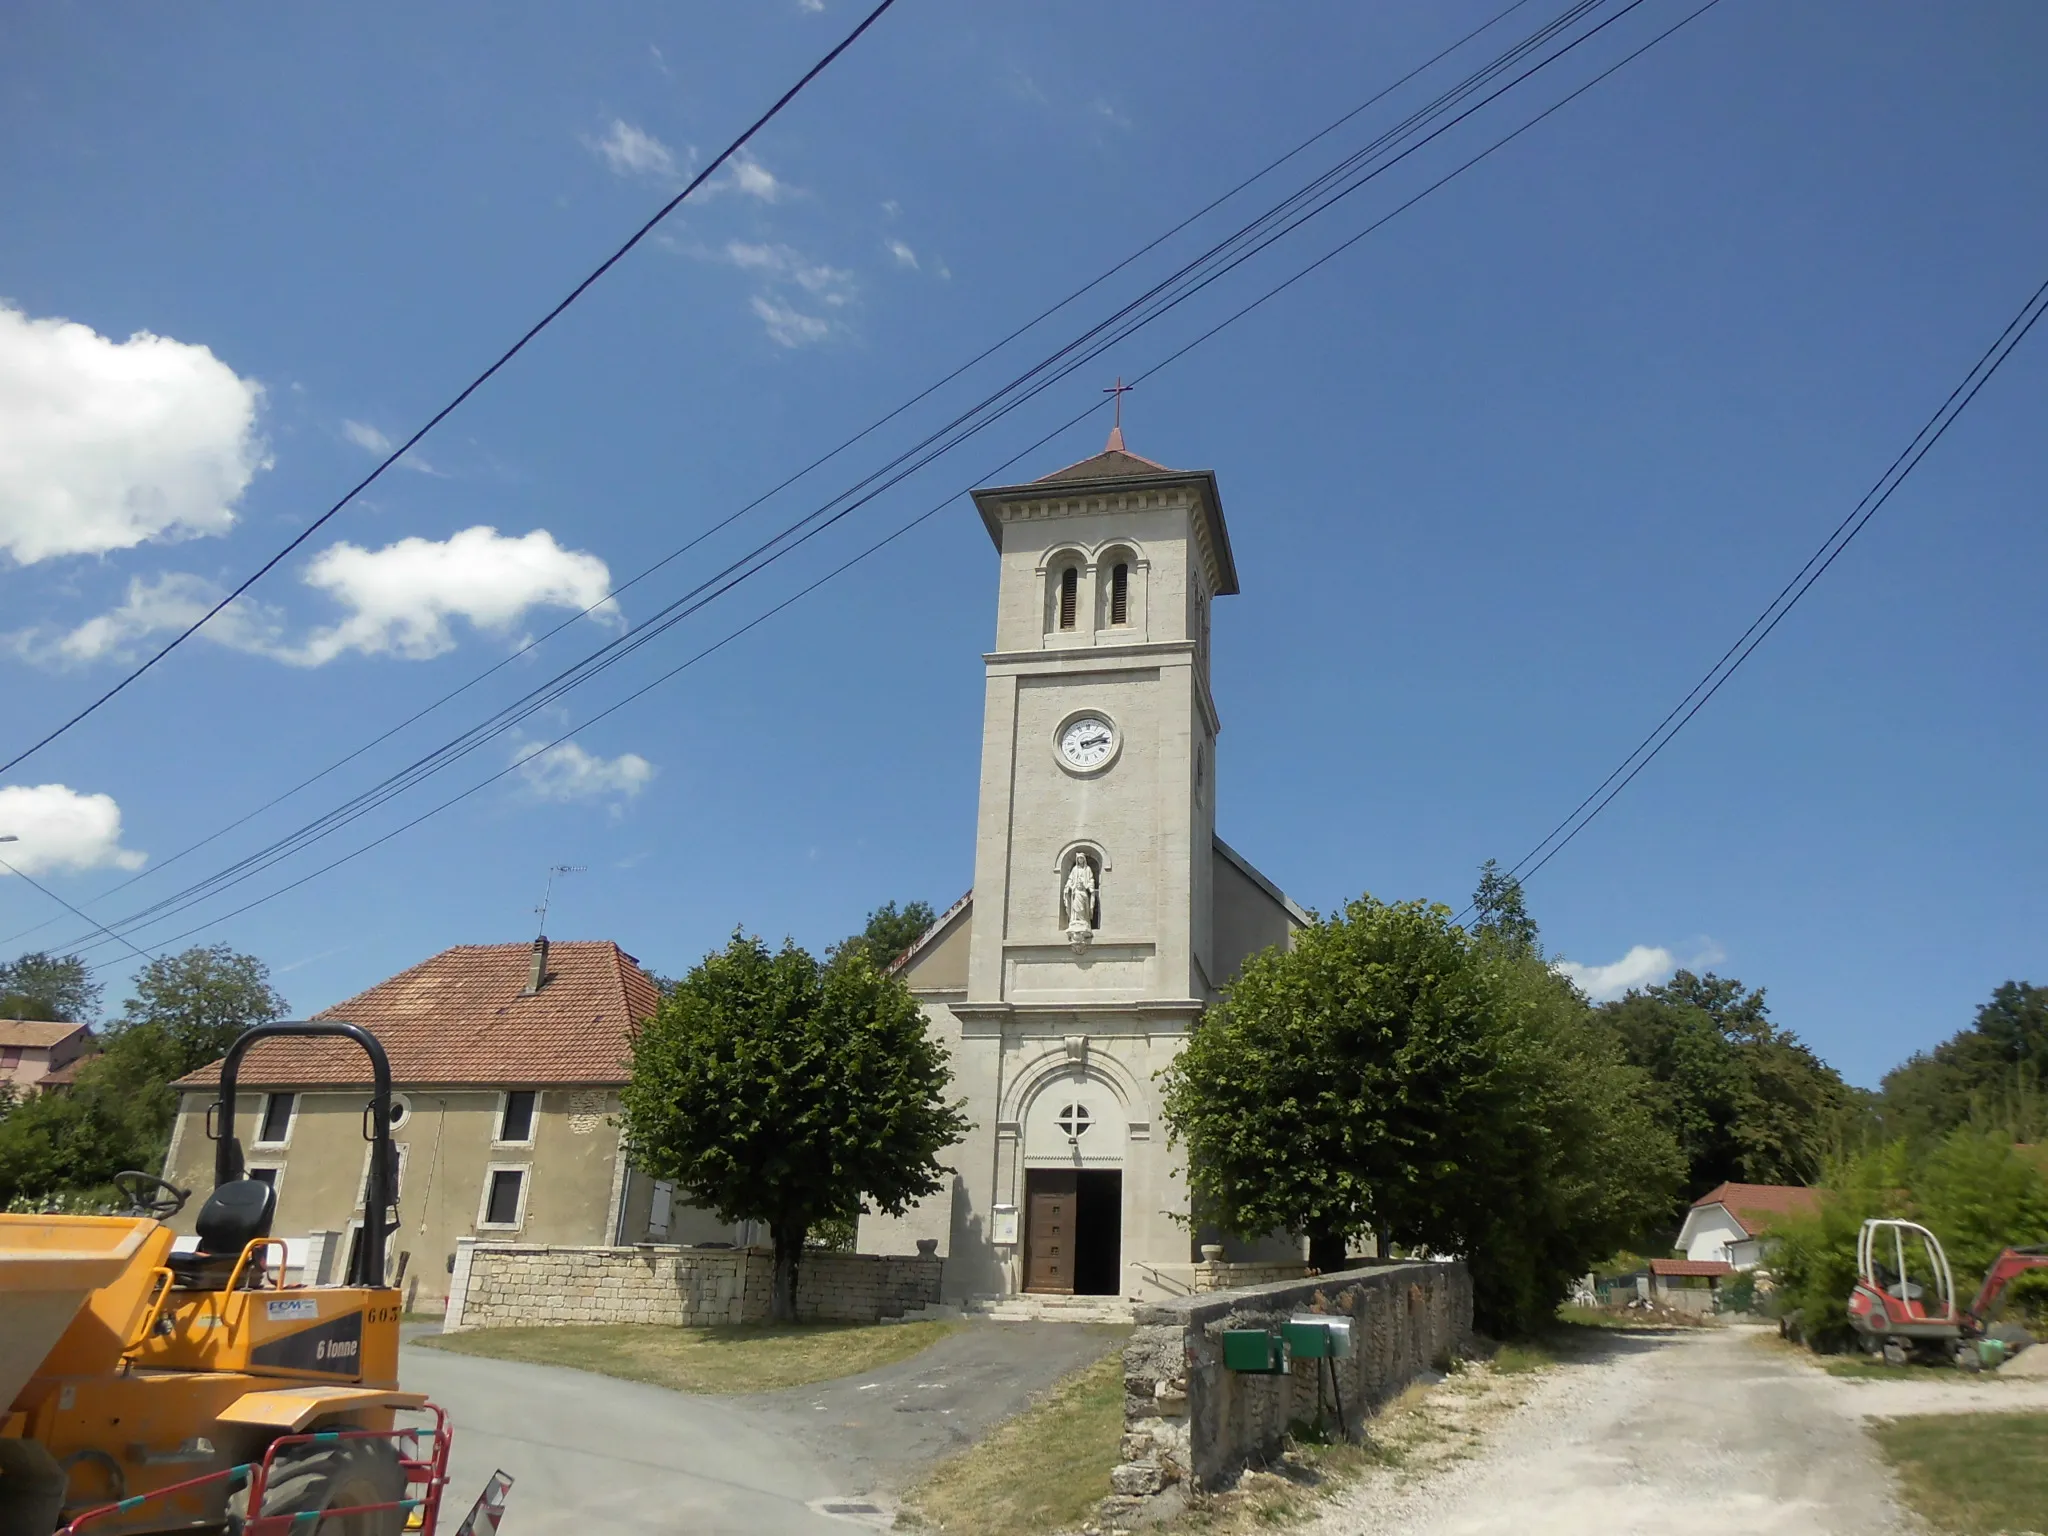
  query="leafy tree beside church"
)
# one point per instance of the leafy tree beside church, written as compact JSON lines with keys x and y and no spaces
{"x":1396,"y":1074}
{"x":771,"y":1088}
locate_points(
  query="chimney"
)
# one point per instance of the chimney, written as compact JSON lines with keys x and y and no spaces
{"x":537,"y":977}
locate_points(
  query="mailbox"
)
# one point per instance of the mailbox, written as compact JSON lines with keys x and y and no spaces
{"x":1315,"y":1337}
{"x":1254,"y":1352}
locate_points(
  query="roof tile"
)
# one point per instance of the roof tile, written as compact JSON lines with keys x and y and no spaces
{"x":1758,"y":1206}
{"x":464,"y":1016}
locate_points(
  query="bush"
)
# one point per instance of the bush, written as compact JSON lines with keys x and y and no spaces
{"x":1975,"y":1191}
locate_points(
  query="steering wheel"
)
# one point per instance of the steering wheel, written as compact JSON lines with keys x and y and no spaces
{"x":148,"y":1195}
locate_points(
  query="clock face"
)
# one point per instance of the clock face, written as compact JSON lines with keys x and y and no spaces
{"x":1088,"y":741}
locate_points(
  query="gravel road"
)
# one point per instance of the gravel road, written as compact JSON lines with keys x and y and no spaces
{"x":1710,"y":1432}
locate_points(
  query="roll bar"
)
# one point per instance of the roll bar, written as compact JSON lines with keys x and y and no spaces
{"x":368,"y":1269}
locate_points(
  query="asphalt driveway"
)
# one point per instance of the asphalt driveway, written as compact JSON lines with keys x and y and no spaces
{"x":598,"y":1456}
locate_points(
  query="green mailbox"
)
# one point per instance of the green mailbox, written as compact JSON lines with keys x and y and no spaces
{"x":1254,"y":1352}
{"x":1317,"y":1338}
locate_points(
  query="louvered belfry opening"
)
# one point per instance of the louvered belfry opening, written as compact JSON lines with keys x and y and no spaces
{"x":1120,"y":594}
{"x":1070,"y":595}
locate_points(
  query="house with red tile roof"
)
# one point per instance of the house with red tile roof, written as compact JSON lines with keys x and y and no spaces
{"x":1687,"y":1285}
{"x":31,"y":1050}
{"x":506,"y":1065}
{"x":1729,"y":1223}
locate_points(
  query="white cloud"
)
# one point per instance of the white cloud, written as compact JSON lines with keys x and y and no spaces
{"x":1643,"y":966}
{"x":892,"y":207}
{"x":155,"y":605}
{"x":789,"y":327}
{"x":368,"y":438}
{"x":399,"y":600}
{"x":60,"y":828}
{"x":567,"y":773}
{"x":105,"y":445}
{"x":630,"y":151}
{"x":363,"y":435}
{"x":746,"y":174}
{"x":813,"y":6}
{"x":402,"y":597}
{"x":834,"y":285}
{"x":905,"y":256}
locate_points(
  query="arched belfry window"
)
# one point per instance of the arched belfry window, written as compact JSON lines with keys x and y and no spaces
{"x":1070,"y":596}
{"x":1120,"y":593}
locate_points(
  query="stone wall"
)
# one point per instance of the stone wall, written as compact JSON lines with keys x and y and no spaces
{"x":511,"y":1285}
{"x":1190,"y":1422}
{"x":1221,"y":1275}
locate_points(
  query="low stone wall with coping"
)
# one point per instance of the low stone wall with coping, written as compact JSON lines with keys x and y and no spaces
{"x":523,"y":1285}
{"x":1222,"y":1275}
{"x":1189,"y":1422}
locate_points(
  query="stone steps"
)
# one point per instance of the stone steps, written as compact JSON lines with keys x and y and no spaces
{"x":1024,"y":1308}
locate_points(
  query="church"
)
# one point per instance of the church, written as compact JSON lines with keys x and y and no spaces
{"x":1106,"y":913}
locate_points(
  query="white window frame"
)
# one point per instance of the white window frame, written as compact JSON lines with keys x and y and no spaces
{"x":401,"y":1107}
{"x":483,"y":1204}
{"x":276,"y":1168}
{"x":498,"y":1123}
{"x":291,"y":1121}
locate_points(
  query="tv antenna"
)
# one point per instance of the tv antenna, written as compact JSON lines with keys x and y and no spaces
{"x":548,"y":892}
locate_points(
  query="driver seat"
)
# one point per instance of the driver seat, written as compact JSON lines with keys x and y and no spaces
{"x":235,"y":1214}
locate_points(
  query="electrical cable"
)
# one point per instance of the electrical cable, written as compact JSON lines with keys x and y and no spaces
{"x":1788,"y":596}
{"x":474,"y":384}
{"x":832,"y":453}
{"x":1142,"y":320}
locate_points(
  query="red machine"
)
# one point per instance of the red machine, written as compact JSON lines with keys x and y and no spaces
{"x":1905,"y":1297}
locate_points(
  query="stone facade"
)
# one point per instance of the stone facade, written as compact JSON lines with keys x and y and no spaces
{"x":503,"y":1285}
{"x":1098,"y":768}
{"x":1188,"y":1421}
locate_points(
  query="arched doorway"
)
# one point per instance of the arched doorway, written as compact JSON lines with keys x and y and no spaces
{"x":1073,"y":1189}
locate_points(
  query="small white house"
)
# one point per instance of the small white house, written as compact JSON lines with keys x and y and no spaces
{"x":1728,"y":1223}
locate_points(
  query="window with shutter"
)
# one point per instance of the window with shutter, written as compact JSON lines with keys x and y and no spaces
{"x":1070,"y":595}
{"x":1120,"y":594}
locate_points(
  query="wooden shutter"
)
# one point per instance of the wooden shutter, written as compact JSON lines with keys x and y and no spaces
{"x":1070,"y":593}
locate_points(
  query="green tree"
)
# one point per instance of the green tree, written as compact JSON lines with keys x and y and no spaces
{"x":888,"y":933}
{"x":1747,"y":1100}
{"x":1994,"y":1072}
{"x":118,"y":1112}
{"x":200,"y":1001}
{"x":773,"y":1089}
{"x":55,"y":988}
{"x":1500,"y":911}
{"x":1392,"y":1073}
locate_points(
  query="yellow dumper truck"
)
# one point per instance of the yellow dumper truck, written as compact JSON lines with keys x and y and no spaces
{"x":145,"y":1390}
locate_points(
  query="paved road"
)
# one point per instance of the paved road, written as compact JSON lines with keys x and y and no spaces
{"x":600,"y":1457}
{"x":1687,"y":1433}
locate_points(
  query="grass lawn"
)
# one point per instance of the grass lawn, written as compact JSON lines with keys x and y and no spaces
{"x":1044,"y":1470}
{"x":1972,"y":1474}
{"x":752,"y":1358}
{"x":1863,"y":1368}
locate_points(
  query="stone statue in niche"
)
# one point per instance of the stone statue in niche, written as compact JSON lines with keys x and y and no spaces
{"x":1078,"y":896}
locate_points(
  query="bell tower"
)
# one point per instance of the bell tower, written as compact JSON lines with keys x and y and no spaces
{"x":1092,"y":871}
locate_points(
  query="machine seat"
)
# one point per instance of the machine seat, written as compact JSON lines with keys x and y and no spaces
{"x":234,"y":1215}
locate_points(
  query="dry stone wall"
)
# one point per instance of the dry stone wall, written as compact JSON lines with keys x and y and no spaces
{"x":1189,"y":1422}
{"x":1221,"y":1275}
{"x":512,"y":1285}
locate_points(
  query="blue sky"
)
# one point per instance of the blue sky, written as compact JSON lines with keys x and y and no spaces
{"x":1502,"y":479}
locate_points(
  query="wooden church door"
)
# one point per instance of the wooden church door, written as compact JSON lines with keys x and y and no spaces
{"x":1052,"y":1198}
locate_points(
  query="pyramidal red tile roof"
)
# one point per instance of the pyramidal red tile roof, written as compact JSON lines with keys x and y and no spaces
{"x":1757,"y":1206}
{"x":464,"y":1016}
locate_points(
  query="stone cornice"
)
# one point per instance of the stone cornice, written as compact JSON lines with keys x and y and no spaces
{"x":1195,"y":489}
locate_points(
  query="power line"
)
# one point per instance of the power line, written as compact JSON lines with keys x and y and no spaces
{"x":1839,"y":538}
{"x":462,"y":748}
{"x":103,"y":928}
{"x":1517,"y":50}
{"x":474,"y":384}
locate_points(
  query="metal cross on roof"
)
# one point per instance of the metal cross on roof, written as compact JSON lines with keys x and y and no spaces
{"x":1119,"y":389}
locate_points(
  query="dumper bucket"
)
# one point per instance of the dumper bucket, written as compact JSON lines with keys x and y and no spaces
{"x":49,"y":1265}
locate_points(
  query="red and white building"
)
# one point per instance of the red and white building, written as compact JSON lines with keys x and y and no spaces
{"x":1729,"y":1223}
